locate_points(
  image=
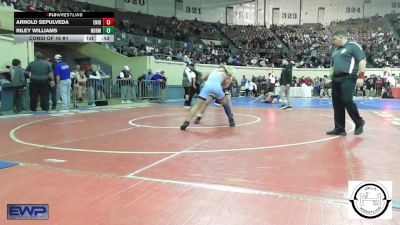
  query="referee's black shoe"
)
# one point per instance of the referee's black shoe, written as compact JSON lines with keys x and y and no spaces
{"x":336,"y":132}
{"x":360,"y":128}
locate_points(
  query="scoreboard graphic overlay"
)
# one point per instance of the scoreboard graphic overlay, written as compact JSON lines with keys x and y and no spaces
{"x":64,"y":27}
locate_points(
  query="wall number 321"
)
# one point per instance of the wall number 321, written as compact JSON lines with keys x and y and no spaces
{"x":193,"y":10}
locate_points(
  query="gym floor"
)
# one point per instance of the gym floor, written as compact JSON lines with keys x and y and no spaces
{"x":131,"y":164}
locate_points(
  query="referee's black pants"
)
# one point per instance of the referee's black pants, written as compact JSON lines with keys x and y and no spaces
{"x":342,"y":98}
{"x":189,"y":93}
{"x":39,"y":88}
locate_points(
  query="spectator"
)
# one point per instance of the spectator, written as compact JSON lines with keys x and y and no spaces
{"x":378,"y":86}
{"x":271,"y":82}
{"x":93,"y":76}
{"x":391,"y":79}
{"x":234,"y":87}
{"x":243,"y":82}
{"x":141,"y":84}
{"x":148,"y":83}
{"x":63,"y":79}
{"x":156,"y":80}
{"x":316,"y":86}
{"x":251,"y":87}
{"x":326,"y":87}
{"x":308,"y":81}
{"x":125,"y":82}
{"x":53,"y":90}
{"x":19,"y":83}
{"x":370,"y":86}
{"x":163,"y":84}
{"x":79,"y":83}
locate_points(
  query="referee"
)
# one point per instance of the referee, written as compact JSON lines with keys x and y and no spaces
{"x":40,"y":75}
{"x":285,"y":81}
{"x":189,"y":83}
{"x":348,"y":67}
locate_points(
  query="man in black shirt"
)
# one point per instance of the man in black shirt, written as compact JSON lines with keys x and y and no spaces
{"x":348,"y":68}
{"x":285,"y":80}
{"x":40,"y":74}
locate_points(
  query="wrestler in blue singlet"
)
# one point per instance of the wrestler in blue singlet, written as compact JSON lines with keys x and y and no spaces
{"x":213,"y":86}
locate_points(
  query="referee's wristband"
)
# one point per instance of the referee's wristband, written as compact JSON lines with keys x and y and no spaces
{"x":360,"y":75}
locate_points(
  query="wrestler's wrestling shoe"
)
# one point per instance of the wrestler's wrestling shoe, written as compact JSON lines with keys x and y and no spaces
{"x":184,"y":125}
{"x":231,"y":122}
{"x":197,"y":120}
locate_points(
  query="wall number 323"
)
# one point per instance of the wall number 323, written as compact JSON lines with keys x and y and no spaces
{"x":289,"y":16}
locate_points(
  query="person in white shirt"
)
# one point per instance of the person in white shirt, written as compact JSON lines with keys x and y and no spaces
{"x":251,"y":87}
{"x":125,"y":82}
{"x":189,"y":84}
{"x":272,"y":81}
{"x":79,"y":83}
{"x":95,"y":84}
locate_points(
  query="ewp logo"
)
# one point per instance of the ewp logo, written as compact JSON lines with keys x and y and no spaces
{"x":27,"y":212}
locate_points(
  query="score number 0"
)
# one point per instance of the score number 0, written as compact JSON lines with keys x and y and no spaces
{"x":108,"y":25}
{"x":108,"y":21}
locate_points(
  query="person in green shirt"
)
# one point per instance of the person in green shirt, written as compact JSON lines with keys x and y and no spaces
{"x":347,"y":71}
{"x":41,"y":74}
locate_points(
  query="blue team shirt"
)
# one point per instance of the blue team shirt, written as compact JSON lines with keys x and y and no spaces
{"x":61,"y":69}
{"x":156,"y":77}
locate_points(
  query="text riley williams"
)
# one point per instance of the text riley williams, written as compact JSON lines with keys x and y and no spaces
{"x":36,"y":30}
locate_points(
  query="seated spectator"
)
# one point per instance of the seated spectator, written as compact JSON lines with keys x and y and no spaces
{"x":308,"y":81}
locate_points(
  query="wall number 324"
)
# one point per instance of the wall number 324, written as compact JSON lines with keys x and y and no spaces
{"x":353,"y":10}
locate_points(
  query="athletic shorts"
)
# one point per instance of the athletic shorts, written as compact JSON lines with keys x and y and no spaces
{"x":214,"y":90}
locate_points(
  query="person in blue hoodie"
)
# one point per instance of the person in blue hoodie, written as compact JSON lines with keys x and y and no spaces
{"x":156,"y":79}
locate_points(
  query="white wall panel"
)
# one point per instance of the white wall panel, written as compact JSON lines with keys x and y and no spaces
{"x":289,"y":11}
{"x":248,"y":13}
{"x":161,"y":7}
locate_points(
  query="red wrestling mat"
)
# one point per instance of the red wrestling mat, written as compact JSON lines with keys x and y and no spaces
{"x":135,"y":166}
